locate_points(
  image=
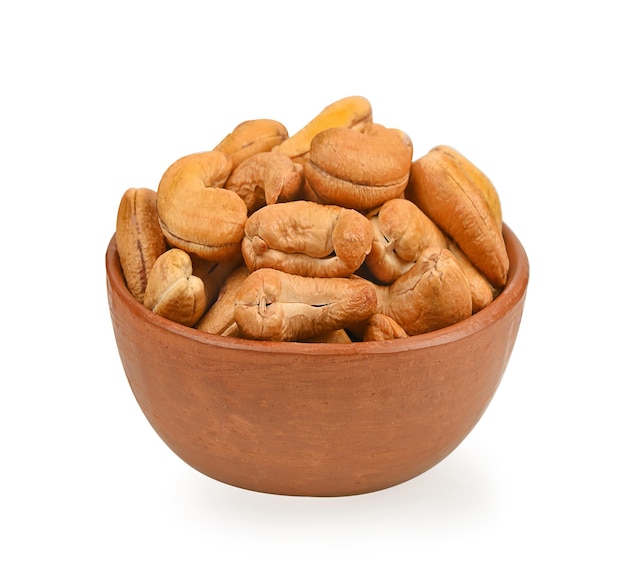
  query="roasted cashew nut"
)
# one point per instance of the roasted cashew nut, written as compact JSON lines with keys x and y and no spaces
{"x":140,"y":240}
{"x":353,"y":112}
{"x":278,"y":306}
{"x":358,"y":170}
{"x":251,"y":137}
{"x":338,"y":229}
{"x":173,"y":291}
{"x":214,"y":274}
{"x":306,"y":238}
{"x":196,"y":214}
{"x":482,"y":292}
{"x":377,"y":129}
{"x":452,"y":192}
{"x":266,"y":178}
{"x":477,"y":176}
{"x":382,"y":327}
{"x":220,"y":318}
{"x":433,"y":294}
{"x":401,"y":232}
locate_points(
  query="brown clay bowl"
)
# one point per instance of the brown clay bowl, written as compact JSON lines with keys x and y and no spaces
{"x":315,"y":419}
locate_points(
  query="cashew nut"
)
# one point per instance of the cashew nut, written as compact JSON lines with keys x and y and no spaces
{"x":433,"y":294}
{"x":214,"y":274}
{"x":450,"y":190}
{"x":332,"y":234}
{"x":278,"y":306}
{"x":306,"y":238}
{"x":382,"y":327}
{"x":173,"y":291}
{"x":482,"y":291}
{"x":266,"y":178}
{"x":401,"y":232}
{"x":196,"y":214}
{"x":251,"y":137}
{"x":377,"y":129}
{"x":477,"y":176}
{"x":220,"y":318}
{"x":358,"y":170}
{"x":139,"y":238}
{"x":350,"y":112}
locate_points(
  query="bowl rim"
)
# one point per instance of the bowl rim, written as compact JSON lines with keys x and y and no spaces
{"x":512,"y":293}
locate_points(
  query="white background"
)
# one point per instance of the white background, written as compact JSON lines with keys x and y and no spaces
{"x":97,"y":98}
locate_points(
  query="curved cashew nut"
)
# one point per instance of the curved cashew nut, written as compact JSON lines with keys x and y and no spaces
{"x":401,"y":232}
{"x":353,"y":112}
{"x":220,"y":318}
{"x":382,"y":327}
{"x":196,"y":214}
{"x":251,"y":137}
{"x":140,"y":240}
{"x":214,"y":274}
{"x":377,"y":129}
{"x":433,"y":294}
{"x":278,"y":306}
{"x":477,"y":176}
{"x":265,"y":178}
{"x":450,"y":190}
{"x":358,"y":170}
{"x":306,"y":238}
{"x":173,"y":291}
{"x":482,"y":291}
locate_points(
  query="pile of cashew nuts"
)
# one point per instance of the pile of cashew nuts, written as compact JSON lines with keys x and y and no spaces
{"x":332,"y":234}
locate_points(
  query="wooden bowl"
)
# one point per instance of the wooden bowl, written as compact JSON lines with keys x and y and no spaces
{"x":315,"y":419}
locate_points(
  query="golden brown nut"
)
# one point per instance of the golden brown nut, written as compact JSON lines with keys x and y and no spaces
{"x":173,"y":291}
{"x":479,"y":178}
{"x":401,"y":232}
{"x":358,"y":170}
{"x":378,"y":129}
{"x":353,"y":112}
{"x":306,"y":238}
{"x":251,"y":137}
{"x":278,"y":306}
{"x":139,"y":238}
{"x":433,"y":294}
{"x":214,"y":274}
{"x":196,"y":214}
{"x":266,"y":178}
{"x":482,"y":291}
{"x":220,"y":318}
{"x":374,"y":129}
{"x":447,"y":189}
{"x":382,"y":327}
